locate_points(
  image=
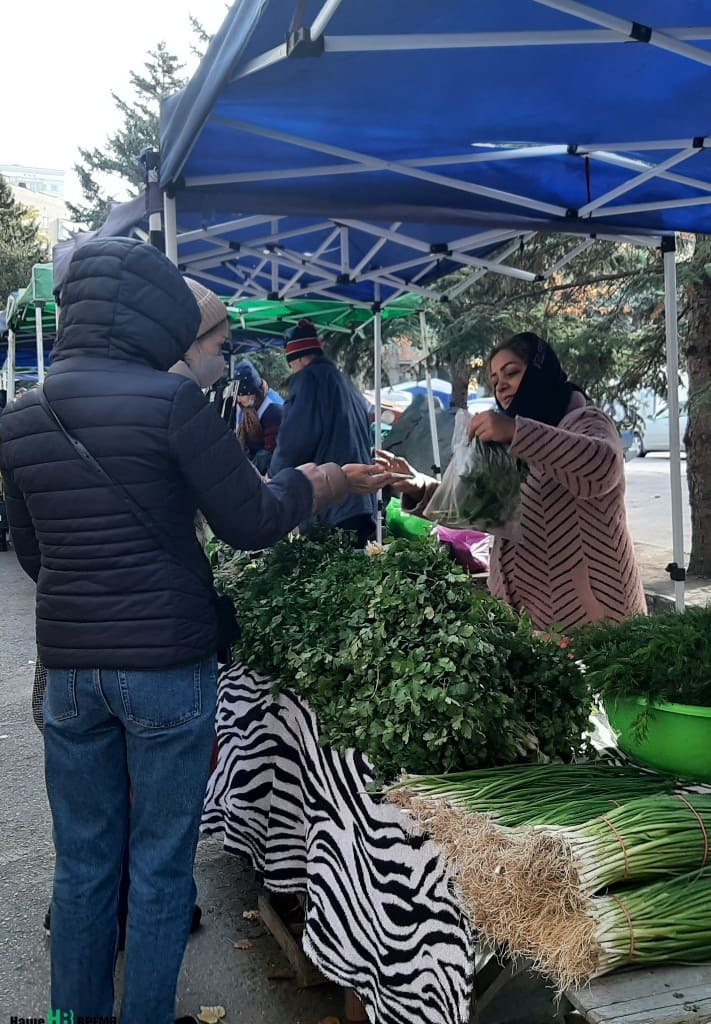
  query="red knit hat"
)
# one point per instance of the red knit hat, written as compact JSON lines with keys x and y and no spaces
{"x":302,"y":340}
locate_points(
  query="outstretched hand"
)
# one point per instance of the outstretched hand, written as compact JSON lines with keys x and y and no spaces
{"x":492,"y":426}
{"x":393,"y":463}
{"x":406,"y":477}
{"x":370,"y":479}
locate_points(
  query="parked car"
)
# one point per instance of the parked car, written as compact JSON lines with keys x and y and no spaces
{"x":654,"y":435}
{"x":475,"y":405}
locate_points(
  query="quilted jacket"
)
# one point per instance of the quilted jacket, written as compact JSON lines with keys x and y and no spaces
{"x":109,"y":595}
{"x":325,"y":420}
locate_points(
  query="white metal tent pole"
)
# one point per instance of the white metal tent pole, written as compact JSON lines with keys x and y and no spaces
{"x":436,"y":466}
{"x":11,"y":355}
{"x":676,"y":569}
{"x":40,"y":343}
{"x":378,"y":367}
{"x":170,"y":227}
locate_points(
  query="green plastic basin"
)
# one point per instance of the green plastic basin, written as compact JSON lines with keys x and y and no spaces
{"x":402,"y":524}
{"x":678,"y":740}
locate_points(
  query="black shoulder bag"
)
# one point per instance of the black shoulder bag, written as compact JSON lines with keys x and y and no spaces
{"x":228,"y":631}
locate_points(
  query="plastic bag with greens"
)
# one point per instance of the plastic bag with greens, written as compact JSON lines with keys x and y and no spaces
{"x":481,"y":487}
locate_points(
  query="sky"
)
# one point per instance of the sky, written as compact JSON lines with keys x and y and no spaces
{"x":61,"y":62}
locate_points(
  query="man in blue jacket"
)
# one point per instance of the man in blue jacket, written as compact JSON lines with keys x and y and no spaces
{"x":126,"y":617}
{"x":325,"y":419}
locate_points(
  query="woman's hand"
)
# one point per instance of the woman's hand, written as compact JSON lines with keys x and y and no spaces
{"x":406,"y":477}
{"x":492,"y":426}
{"x":369,"y":479}
{"x":393,"y":463}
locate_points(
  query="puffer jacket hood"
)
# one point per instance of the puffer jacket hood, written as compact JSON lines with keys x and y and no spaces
{"x":123,"y":299}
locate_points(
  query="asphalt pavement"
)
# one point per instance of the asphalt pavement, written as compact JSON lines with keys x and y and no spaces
{"x":649,"y":502}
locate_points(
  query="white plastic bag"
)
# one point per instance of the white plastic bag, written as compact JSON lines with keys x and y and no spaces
{"x":481,"y":487}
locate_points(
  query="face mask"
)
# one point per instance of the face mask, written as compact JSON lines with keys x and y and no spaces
{"x":207,"y":369}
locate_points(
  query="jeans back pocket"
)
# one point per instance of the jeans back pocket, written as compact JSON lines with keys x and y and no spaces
{"x":165,"y":698}
{"x":60,"y":698}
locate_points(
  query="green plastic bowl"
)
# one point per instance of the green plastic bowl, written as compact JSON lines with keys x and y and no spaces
{"x":678,"y":739}
{"x":402,"y":524}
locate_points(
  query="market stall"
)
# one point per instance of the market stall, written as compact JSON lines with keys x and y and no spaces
{"x":397,"y":194}
{"x":399,"y":882}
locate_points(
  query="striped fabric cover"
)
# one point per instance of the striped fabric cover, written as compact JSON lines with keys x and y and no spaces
{"x":381,"y":915}
{"x":575,"y":561}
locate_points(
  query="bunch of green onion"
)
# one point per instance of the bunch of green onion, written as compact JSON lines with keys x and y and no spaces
{"x":668,"y":922}
{"x":531,"y":794}
{"x":655,"y":835}
{"x":529,"y":846}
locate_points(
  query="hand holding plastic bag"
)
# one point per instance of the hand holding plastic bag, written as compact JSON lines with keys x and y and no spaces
{"x":481,"y":487}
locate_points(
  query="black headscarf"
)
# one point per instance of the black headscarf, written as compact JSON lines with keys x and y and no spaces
{"x":545,"y":391}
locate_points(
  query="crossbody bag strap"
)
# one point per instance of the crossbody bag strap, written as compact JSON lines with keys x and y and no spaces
{"x":134,"y":508}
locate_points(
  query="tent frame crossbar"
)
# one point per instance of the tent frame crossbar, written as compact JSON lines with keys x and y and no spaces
{"x":359,"y":163}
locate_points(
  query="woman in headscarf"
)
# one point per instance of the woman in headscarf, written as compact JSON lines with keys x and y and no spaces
{"x":574,"y":561}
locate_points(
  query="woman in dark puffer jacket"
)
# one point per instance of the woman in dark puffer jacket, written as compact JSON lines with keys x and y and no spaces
{"x":125,"y":613}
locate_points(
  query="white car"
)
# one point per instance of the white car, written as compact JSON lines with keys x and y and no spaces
{"x":475,"y":405}
{"x":654,"y":437}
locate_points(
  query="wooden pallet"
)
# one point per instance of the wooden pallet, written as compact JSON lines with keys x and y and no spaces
{"x":664,"y":995}
{"x":287,"y":935}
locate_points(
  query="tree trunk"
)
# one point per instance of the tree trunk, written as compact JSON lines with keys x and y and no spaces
{"x":391,"y":363}
{"x":698,"y":438}
{"x":460,"y":371}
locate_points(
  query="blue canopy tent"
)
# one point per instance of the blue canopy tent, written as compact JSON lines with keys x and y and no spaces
{"x":436,"y":131}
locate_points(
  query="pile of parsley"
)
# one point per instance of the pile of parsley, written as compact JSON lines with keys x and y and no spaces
{"x":402,"y":659}
{"x":661,"y":658}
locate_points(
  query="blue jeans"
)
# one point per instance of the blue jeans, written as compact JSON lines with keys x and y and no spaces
{"x":109,"y":732}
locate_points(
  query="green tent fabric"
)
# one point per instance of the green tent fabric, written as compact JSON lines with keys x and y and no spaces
{"x":21,"y":308}
{"x":260,"y":316}
{"x":276,"y":317}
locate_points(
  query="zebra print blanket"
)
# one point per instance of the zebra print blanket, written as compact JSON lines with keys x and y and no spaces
{"x":380,"y":915}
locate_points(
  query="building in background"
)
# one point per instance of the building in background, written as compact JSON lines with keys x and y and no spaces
{"x":41,"y":190}
{"x":51,"y":213}
{"x":47,"y":180}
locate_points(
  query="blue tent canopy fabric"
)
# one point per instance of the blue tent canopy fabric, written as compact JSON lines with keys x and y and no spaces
{"x":467,"y":113}
{"x":356,"y":149}
{"x":124,"y":219}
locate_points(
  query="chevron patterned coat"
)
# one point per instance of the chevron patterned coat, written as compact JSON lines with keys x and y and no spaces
{"x":574,"y":562}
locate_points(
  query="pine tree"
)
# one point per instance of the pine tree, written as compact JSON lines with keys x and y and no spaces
{"x":20,"y":243}
{"x":600,"y":312}
{"x":140,"y":130}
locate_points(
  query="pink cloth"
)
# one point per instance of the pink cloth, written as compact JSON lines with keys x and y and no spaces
{"x":469,"y":547}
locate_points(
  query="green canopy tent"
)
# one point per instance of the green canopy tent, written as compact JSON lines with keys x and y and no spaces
{"x":275,"y":317}
{"x":30,"y":313}
{"x":23,"y":306}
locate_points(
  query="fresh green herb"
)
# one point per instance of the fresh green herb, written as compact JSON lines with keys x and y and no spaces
{"x":483,"y":489}
{"x":403,"y":660}
{"x":659,"y":658}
